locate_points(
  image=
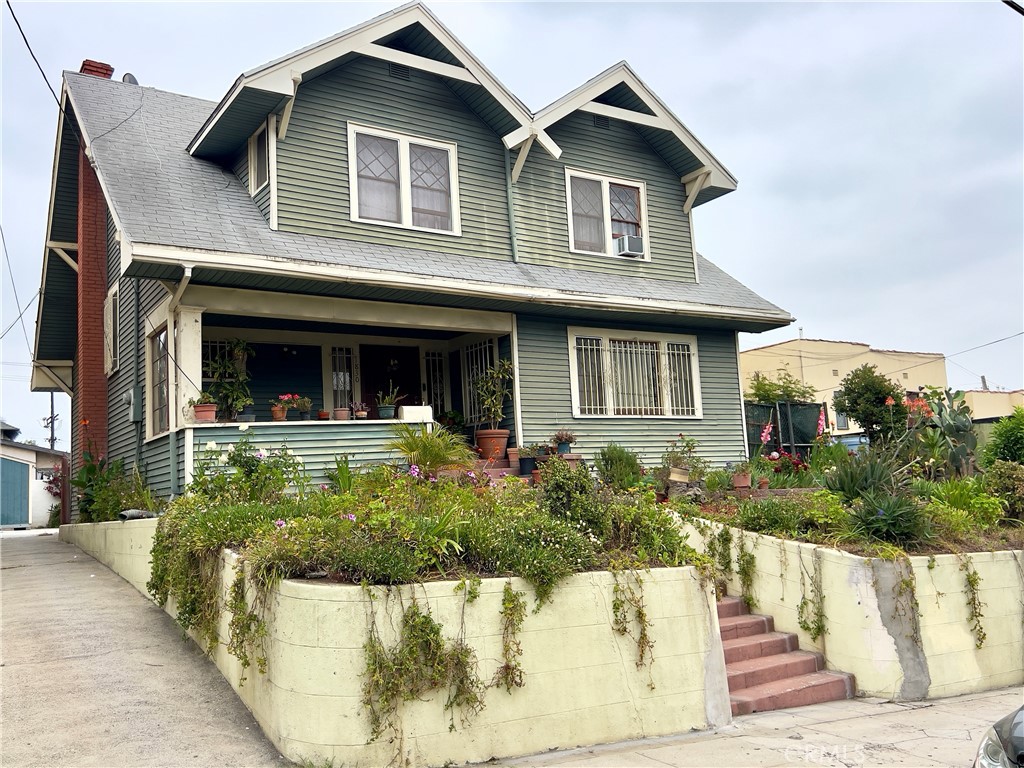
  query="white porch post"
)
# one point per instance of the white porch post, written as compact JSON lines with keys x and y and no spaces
{"x":188,"y":322}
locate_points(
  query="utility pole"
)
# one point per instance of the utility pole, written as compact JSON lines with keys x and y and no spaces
{"x":51,"y":422}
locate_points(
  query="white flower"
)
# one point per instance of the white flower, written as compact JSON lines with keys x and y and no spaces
{"x":223,"y":458}
{"x":243,"y":427}
{"x":211,"y":446}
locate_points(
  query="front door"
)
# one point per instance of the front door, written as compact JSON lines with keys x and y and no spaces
{"x":387,"y":367}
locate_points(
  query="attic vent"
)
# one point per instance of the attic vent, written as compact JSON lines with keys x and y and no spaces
{"x":600,"y":121}
{"x":398,"y":70}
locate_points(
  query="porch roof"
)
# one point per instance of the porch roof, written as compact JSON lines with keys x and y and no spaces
{"x":173,"y":208}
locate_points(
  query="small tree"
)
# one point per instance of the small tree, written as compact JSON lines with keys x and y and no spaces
{"x":785,"y":387}
{"x":873,"y":401}
{"x":1007,"y":440}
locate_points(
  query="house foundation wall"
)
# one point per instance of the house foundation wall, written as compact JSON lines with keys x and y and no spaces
{"x":901,"y":628}
{"x":582,"y":684}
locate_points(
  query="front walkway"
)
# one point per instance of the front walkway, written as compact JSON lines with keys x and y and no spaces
{"x":850,"y":733}
{"x":96,"y":675}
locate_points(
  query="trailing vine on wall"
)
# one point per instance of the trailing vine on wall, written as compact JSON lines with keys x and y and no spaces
{"x":628,"y":599}
{"x":513,"y":614}
{"x":811,"y":609}
{"x":746,"y":568}
{"x":972,"y":584}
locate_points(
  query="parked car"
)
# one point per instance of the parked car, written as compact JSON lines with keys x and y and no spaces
{"x":1002,"y":746}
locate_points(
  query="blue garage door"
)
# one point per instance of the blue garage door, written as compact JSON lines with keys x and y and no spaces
{"x":13,"y":492}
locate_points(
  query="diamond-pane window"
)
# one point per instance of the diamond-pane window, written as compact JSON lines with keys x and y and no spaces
{"x":587,"y":215}
{"x":625,"y":208}
{"x":398,"y":180}
{"x":431,"y":187}
{"x":602,"y":209}
{"x":378,"y":175}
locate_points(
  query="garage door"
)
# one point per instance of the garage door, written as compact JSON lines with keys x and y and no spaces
{"x":13,"y":492}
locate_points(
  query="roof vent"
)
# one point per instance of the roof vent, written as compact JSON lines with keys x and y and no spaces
{"x":601,"y":121}
{"x":130,"y":79}
{"x":398,"y":70}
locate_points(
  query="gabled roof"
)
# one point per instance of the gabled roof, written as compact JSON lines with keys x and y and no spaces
{"x":410,"y":35}
{"x":620,"y":94}
{"x":173,"y":207}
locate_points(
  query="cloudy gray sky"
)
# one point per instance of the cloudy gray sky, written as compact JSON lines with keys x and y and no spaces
{"x":878,"y":145}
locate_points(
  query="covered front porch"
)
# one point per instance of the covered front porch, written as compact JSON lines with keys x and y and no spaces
{"x":333,"y":351}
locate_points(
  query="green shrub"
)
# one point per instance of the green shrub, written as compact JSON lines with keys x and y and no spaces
{"x":873,"y":401}
{"x":571,"y":495}
{"x":433,"y":450}
{"x":618,"y":467}
{"x":94,"y":475}
{"x":871,"y":472}
{"x":1005,"y":479}
{"x":646,"y":529}
{"x":244,"y":473}
{"x":1007,"y":440}
{"x":120,"y":492}
{"x":774,"y":515}
{"x":717,"y":480}
{"x":899,"y":520}
{"x":968,"y":494}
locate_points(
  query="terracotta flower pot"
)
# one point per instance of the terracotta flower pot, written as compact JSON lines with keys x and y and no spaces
{"x":492,"y":443}
{"x":204,"y":413}
{"x":323,"y":415}
{"x":762,"y":483}
{"x":741,"y":480}
{"x":278,"y":413}
{"x":342,"y":414}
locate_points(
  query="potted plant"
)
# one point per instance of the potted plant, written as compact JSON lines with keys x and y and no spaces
{"x":528,"y":458}
{"x":304,"y":405}
{"x":387,"y":402}
{"x":342,"y":414}
{"x":247,"y":409}
{"x":681,"y":461}
{"x":741,"y":475}
{"x":359,"y":410}
{"x":279,"y":406}
{"x":204,"y":407}
{"x":230,"y":386}
{"x":323,"y":415}
{"x":562,"y":439}
{"x":492,"y":387}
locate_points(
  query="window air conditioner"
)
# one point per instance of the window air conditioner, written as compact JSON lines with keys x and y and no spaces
{"x":629,"y":245}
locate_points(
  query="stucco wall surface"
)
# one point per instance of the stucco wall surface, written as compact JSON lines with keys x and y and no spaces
{"x":123,"y":547}
{"x":582,"y":685}
{"x":870,"y":621}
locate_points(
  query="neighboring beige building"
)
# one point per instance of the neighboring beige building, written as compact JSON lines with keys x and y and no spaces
{"x":823,"y":364}
{"x":992,"y":404}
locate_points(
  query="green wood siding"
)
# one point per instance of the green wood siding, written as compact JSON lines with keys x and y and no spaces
{"x":539,"y":195}
{"x":122,"y":433}
{"x":547,"y":402}
{"x":240,"y":167}
{"x":315,"y":443}
{"x":156,"y":465}
{"x":312,"y":161}
{"x":113,"y":252}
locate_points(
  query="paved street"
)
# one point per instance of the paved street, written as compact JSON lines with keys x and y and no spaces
{"x":94,"y":674}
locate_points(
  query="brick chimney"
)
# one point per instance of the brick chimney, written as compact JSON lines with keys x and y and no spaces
{"x":97,"y":69}
{"x":90,"y":377}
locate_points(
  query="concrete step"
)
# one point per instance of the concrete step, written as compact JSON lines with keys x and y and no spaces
{"x":756,"y":646}
{"x":731,"y":606}
{"x":813,"y":688}
{"x":745,"y":625}
{"x":768,"y":669}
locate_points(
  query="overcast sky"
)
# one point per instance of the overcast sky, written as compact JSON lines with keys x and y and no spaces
{"x":878,"y":146}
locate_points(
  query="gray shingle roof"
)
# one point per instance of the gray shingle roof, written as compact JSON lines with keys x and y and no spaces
{"x":162,"y":195}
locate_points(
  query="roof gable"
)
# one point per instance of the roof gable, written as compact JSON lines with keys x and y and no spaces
{"x":410,"y":35}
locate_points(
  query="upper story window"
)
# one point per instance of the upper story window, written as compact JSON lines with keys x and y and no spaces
{"x":403,"y":181}
{"x":259,"y":160}
{"x":603,"y":210}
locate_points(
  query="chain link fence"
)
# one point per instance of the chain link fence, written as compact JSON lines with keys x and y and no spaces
{"x":794,"y":426}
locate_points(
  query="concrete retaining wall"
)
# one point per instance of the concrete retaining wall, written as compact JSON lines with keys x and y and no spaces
{"x":872,"y":624}
{"x":582,"y":685}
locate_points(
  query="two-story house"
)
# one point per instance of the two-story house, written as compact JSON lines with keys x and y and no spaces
{"x":378,"y":210}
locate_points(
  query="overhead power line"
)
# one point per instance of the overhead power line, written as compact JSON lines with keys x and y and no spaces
{"x":14,"y":287}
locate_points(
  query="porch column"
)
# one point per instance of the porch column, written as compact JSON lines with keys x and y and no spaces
{"x":188,"y":323}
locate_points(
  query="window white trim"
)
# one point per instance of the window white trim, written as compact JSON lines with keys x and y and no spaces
{"x":609,"y":252}
{"x":253,"y":186}
{"x":152,"y":428}
{"x":663,"y":340}
{"x":111,"y":330}
{"x":272,"y":167}
{"x":405,"y":180}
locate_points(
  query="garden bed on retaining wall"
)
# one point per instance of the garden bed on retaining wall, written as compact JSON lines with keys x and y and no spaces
{"x":904,"y":628}
{"x":582,"y":684}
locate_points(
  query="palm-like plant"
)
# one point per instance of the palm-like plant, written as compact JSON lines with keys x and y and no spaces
{"x":431,"y":449}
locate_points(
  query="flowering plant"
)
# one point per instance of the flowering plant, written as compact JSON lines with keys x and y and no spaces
{"x":303,"y":404}
{"x":286,"y":401}
{"x":357,"y":406}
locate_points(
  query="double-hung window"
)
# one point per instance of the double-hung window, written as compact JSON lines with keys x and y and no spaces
{"x":620,"y":373}
{"x":159,"y":382}
{"x":259,"y":160}
{"x":602,"y":209}
{"x":402,"y":181}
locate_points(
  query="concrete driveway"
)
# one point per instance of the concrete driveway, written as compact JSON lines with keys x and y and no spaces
{"x":94,"y":674}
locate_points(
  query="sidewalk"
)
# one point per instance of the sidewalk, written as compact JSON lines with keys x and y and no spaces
{"x":96,"y":675}
{"x":852,"y":733}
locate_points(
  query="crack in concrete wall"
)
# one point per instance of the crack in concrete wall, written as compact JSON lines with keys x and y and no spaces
{"x":902,"y":623}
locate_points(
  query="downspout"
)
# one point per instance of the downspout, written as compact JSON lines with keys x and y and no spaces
{"x":137,"y":377}
{"x":511,"y":209}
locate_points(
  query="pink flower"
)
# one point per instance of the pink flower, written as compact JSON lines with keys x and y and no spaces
{"x":821,"y":421}
{"x":766,"y":433}
{"x":280,"y":523}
